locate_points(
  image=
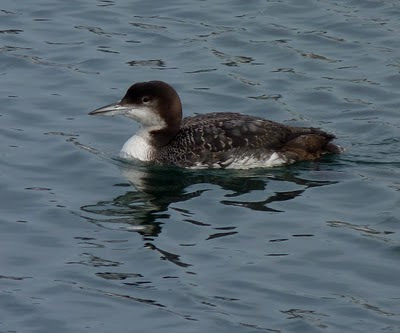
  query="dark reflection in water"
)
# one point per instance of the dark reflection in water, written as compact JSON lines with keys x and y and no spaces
{"x":142,"y":210}
{"x":174,"y":258}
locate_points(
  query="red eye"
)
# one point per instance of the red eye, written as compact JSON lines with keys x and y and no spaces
{"x":145,"y":99}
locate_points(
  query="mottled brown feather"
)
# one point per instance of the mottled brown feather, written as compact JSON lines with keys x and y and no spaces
{"x":214,"y":137}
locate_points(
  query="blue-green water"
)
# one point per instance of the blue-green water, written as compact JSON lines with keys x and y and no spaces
{"x":90,"y":244}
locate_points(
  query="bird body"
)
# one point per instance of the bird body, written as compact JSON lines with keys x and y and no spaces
{"x":211,"y":140}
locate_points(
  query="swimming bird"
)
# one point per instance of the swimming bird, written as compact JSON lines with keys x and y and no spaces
{"x":211,"y":140}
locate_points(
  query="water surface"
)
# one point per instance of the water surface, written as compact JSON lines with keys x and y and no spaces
{"x":92,"y":244}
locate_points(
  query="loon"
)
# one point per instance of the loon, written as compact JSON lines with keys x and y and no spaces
{"x":211,"y":140}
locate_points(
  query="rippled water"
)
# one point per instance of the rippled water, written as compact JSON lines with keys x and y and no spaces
{"x":90,"y":244}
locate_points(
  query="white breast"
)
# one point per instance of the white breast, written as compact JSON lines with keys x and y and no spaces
{"x":137,"y":147}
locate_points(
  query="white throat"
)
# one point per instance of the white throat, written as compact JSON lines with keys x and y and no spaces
{"x":138,"y":147}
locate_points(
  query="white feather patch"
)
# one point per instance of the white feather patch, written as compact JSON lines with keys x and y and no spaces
{"x":248,"y":162}
{"x":137,"y":147}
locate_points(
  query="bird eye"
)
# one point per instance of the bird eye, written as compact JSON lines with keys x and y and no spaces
{"x":145,"y":99}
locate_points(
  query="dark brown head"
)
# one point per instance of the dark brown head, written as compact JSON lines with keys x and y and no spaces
{"x":154,"y":104}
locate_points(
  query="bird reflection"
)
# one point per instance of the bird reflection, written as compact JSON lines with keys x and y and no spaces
{"x":144,"y":208}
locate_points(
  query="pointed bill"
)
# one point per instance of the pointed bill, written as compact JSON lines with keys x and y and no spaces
{"x":110,"y":110}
